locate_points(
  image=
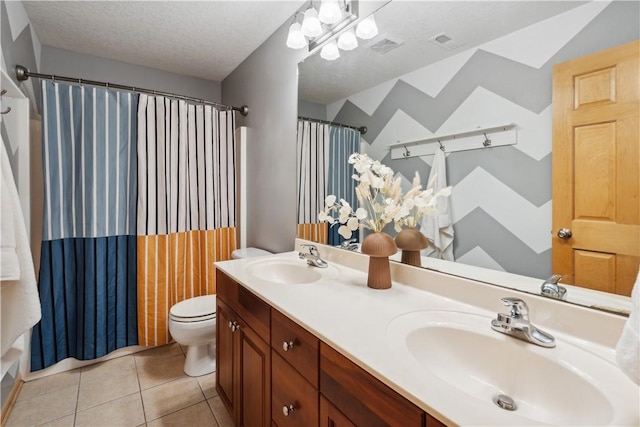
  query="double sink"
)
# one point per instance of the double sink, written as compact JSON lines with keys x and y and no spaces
{"x":485,"y":371}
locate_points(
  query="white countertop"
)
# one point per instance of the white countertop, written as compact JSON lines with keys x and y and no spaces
{"x":343,"y":312}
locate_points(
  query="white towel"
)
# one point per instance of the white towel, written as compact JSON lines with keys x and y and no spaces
{"x":439,"y":229}
{"x":628,"y":348}
{"x":19,"y":301}
{"x":9,"y":267}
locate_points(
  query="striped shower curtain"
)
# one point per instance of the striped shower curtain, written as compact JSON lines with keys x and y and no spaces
{"x":186,"y":206}
{"x":343,"y":142}
{"x":87,"y":279}
{"x":323,"y":169}
{"x":312,"y":157}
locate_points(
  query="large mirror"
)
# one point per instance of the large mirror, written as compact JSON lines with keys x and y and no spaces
{"x":447,"y":68}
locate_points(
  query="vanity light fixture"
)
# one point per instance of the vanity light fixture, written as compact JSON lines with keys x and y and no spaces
{"x":348,"y":40}
{"x":311,"y":26}
{"x":367,"y":28}
{"x":330,"y":51}
{"x":330,"y":12}
{"x":295,"y":38}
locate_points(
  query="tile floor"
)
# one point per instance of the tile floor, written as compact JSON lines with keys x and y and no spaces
{"x":148,"y":388}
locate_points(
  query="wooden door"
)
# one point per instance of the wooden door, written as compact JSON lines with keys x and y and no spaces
{"x":330,"y":416}
{"x":596,"y":169}
{"x":255,"y":379}
{"x":225,"y":355}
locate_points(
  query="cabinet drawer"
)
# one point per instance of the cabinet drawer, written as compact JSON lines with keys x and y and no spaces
{"x":290,"y":389}
{"x":365,"y":400}
{"x":255,"y":312}
{"x":303,"y":355}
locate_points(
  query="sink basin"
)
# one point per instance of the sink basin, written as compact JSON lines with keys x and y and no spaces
{"x":289,"y":272}
{"x":566,"y":385}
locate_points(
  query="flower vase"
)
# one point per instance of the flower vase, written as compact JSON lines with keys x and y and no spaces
{"x":379,"y":246}
{"x":411,"y":241}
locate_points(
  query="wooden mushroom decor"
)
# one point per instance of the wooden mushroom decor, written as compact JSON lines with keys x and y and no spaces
{"x":411,"y":241}
{"x":379,"y":247}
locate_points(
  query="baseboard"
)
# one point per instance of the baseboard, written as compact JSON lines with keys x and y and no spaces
{"x":11,"y":399}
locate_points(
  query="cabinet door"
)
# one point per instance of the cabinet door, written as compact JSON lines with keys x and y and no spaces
{"x":255,"y":379}
{"x":225,"y":352}
{"x":330,"y":416}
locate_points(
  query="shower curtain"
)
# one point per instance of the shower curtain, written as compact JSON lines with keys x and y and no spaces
{"x":186,"y":206}
{"x":87,"y":280}
{"x":313,"y":163}
{"x":139,"y":203}
{"x":323,"y":168}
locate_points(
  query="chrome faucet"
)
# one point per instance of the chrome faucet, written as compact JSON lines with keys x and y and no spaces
{"x":517,"y":324}
{"x":551,"y":288}
{"x":350,"y":245}
{"x":313,"y":256}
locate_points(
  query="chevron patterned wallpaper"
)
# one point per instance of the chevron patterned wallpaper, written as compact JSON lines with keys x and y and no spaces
{"x":501,"y":201}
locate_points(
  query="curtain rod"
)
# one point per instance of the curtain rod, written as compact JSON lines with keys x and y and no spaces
{"x":362,"y":129}
{"x":22,"y":74}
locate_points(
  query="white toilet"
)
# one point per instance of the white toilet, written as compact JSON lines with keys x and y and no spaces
{"x":192,"y":323}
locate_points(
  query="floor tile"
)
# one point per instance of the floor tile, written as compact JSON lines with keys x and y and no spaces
{"x":99,"y":370}
{"x":208,"y":385}
{"x":107,"y":388}
{"x":61,"y":422}
{"x":44,"y":408}
{"x":156,"y":353}
{"x":194,"y":416}
{"x":220,"y":412}
{"x":161,"y":370}
{"x":171,"y":397}
{"x":126,"y":411}
{"x":49,"y":384}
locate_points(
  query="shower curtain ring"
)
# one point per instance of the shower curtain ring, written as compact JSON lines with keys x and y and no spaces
{"x":406,"y":153}
{"x":487,"y":141}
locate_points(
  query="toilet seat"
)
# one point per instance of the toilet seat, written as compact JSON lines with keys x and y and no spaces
{"x":198,"y":309}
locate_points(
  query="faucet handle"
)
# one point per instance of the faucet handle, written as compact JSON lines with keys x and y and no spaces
{"x":519,"y":308}
{"x":313,"y":249}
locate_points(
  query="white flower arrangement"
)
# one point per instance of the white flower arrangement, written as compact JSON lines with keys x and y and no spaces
{"x":381,"y":200}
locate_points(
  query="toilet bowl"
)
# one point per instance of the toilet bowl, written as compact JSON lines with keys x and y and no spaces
{"x":192,"y":323}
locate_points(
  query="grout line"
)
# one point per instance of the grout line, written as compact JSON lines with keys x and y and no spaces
{"x":144,"y":414}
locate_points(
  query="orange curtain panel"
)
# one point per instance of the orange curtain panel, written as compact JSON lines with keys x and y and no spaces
{"x":186,"y":206}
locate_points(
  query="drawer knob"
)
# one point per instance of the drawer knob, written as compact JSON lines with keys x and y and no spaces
{"x":287,"y":409}
{"x":233,"y":325}
{"x":287,"y":345}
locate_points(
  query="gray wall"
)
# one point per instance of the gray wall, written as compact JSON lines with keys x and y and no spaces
{"x":267,"y":82}
{"x":312,"y":110}
{"x":72,"y":64}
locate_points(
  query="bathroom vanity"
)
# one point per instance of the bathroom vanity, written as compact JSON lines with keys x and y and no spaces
{"x":302,"y":345}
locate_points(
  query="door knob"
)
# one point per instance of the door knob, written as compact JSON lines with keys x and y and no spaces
{"x":287,"y":410}
{"x":564,"y":233}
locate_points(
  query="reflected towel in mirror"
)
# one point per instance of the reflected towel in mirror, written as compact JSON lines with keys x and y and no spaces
{"x":628,"y":348}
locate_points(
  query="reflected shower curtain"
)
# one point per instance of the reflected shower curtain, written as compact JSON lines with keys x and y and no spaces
{"x":87,"y":279}
{"x":343,"y":143}
{"x":186,"y":206}
{"x":313,"y":163}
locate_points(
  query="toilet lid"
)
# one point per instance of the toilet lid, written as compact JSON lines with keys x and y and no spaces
{"x":197,"y":307}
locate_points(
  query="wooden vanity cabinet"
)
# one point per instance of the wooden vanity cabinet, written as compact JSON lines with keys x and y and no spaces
{"x":273,"y":372}
{"x":243,"y":355}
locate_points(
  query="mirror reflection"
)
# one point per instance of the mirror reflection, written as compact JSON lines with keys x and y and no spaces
{"x":495,"y":68}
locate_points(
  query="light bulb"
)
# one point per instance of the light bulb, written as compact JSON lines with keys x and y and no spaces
{"x":330,"y":51}
{"x":311,"y":26}
{"x":295,"y":39}
{"x":367,"y":28}
{"x":329,"y":12}
{"x":348,"y":40}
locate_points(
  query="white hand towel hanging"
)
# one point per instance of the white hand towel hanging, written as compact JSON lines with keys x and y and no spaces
{"x":439,"y":229}
{"x":19,"y":300}
{"x":628,"y":348}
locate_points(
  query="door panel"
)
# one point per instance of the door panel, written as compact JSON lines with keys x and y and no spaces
{"x":596,"y":169}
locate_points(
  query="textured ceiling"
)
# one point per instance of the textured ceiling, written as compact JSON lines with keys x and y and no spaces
{"x":206,"y":39}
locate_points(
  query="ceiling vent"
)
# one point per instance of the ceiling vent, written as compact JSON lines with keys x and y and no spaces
{"x":384,"y":44}
{"x":445,"y":42}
